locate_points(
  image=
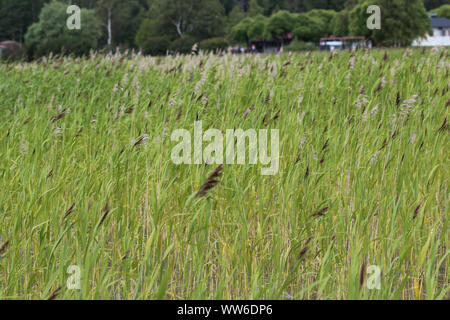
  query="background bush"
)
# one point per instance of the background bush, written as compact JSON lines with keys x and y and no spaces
{"x":298,"y":45}
{"x":51,"y":34}
{"x":155,"y":46}
{"x":183,"y":45}
{"x":214,"y":44}
{"x":443,"y":11}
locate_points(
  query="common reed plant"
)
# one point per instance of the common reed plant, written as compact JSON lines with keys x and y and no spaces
{"x":86,"y":177}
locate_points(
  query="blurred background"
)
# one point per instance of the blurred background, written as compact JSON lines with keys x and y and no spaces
{"x":33,"y":28}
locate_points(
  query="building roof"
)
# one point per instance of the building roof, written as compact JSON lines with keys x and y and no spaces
{"x":9,"y":43}
{"x":438,"y":22}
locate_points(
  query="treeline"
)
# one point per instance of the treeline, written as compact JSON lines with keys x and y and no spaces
{"x":158,"y":26}
{"x":402,"y":23}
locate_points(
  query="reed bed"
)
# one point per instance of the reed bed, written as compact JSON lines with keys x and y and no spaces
{"x":86,"y":177}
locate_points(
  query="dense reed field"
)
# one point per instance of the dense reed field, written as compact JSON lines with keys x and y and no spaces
{"x":86,"y":177}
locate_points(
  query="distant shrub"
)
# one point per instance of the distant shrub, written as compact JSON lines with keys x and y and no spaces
{"x":155,"y":46}
{"x":51,"y":34}
{"x":214,"y":44}
{"x":443,"y":11}
{"x":183,"y":45}
{"x":298,"y":45}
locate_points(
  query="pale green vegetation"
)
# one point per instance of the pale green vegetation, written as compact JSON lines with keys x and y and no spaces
{"x":365,"y":135}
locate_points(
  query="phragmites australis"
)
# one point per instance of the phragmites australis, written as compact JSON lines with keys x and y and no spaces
{"x":210,"y":183}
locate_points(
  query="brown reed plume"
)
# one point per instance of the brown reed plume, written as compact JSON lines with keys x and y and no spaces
{"x":3,"y":248}
{"x":210,"y":183}
{"x":305,"y":249}
{"x":321,"y":212}
{"x":55,"y":293}
{"x":139,"y":142}
{"x":130,"y":109}
{"x":362,"y":274}
{"x":105,"y":214}
{"x":59,"y":116}
{"x":444,"y":126}
{"x":69,"y":211}
{"x":416,"y":211}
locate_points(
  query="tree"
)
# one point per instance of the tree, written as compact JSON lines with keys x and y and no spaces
{"x":86,"y":4}
{"x":340,"y":23}
{"x":183,"y":45}
{"x":209,"y":21}
{"x":121,"y":20}
{"x":51,"y":34}
{"x":153,"y":28}
{"x":307,"y":28}
{"x":17,"y":16}
{"x":308,"y":5}
{"x":203,"y":18}
{"x":214,"y":44}
{"x":358,"y":21}
{"x":430,"y":4}
{"x":258,"y":28}
{"x":239,"y":31}
{"x":155,"y":46}
{"x":443,"y":11}
{"x":350,"y":4}
{"x":272,"y":6}
{"x":254,"y":9}
{"x":402,"y":21}
{"x":325,"y":17}
{"x":228,"y":5}
{"x":106,"y":7}
{"x":236,"y":15}
{"x":280,"y":24}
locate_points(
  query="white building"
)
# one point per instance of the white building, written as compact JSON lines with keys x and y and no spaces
{"x":440,"y":35}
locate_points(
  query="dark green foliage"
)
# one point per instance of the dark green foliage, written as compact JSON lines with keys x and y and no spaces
{"x":402,"y":21}
{"x":183,"y":45}
{"x":325,"y":17}
{"x":339,"y":24}
{"x":155,"y":46}
{"x":236,"y":15}
{"x":198,"y":18}
{"x":281,"y":23}
{"x":16,"y":16}
{"x":258,"y":28}
{"x":254,"y":9}
{"x":307,"y":5}
{"x":153,"y":28}
{"x":139,"y":23}
{"x":51,"y":34}
{"x":239,"y":32}
{"x":214,"y":44}
{"x":443,"y":11}
{"x":308,"y":28}
{"x":298,"y":45}
{"x":432,"y":4}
